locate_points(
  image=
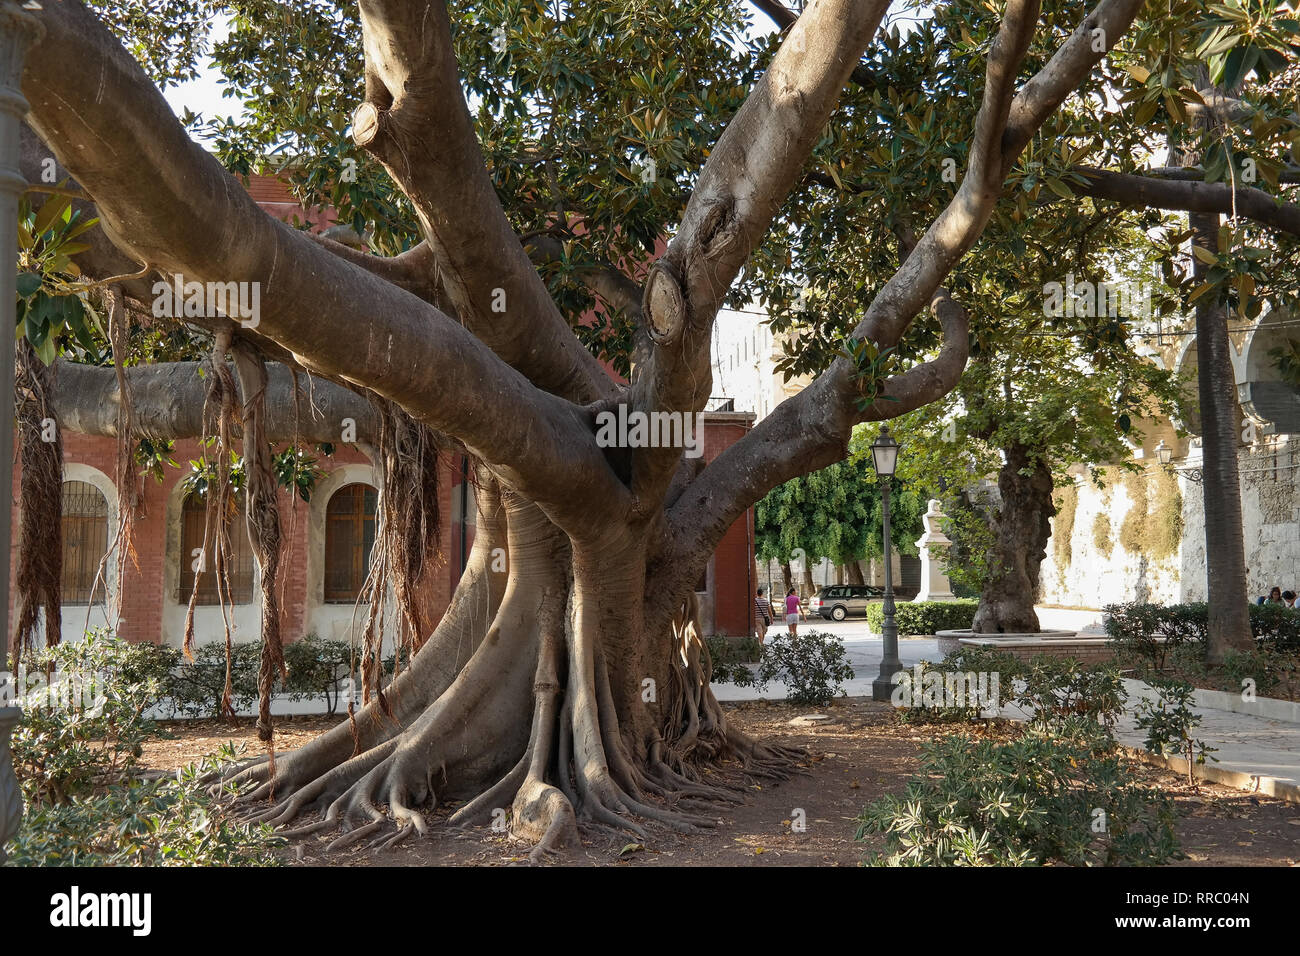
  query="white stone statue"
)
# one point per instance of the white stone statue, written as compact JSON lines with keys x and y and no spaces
{"x":931,"y":545}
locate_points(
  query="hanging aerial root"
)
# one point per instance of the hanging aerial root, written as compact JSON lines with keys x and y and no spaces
{"x":406,"y":541}
{"x":40,"y":546}
{"x":126,"y":479}
{"x":262,"y":510}
{"x":219,"y":417}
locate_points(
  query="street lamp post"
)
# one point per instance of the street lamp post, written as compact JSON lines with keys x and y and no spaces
{"x":884,"y":455}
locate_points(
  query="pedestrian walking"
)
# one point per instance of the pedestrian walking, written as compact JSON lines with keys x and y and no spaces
{"x":793,"y":611}
{"x":762,"y":614}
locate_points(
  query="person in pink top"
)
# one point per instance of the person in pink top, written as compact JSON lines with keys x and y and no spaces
{"x":792,"y":610}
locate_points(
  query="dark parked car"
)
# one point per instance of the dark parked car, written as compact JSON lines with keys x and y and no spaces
{"x":837,"y":602}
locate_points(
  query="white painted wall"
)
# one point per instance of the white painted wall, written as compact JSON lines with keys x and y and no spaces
{"x":1270,"y":498}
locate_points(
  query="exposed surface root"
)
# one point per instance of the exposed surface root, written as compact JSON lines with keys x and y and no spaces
{"x":590,"y":758}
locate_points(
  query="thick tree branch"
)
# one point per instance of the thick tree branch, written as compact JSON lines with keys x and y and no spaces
{"x":413,"y":270}
{"x":750,"y":171}
{"x":805,"y":433}
{"x":1064,"y":73}
{"x":154,"y":187}
{"x":955,"y":230}
{"x":1140,"y":191}
{"x":785,"y":18}
{"x":416,"y":122}
{"x":167,"y":402}
{"x":105,"y":259}
{"x":812,"y":429}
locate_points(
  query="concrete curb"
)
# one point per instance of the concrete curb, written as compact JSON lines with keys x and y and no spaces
{"x":1267,"y":708}
{"x":1270,"y":708}
{"x":1250,"y":782}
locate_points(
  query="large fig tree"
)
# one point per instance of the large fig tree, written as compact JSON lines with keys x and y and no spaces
{"x":572,"y":685}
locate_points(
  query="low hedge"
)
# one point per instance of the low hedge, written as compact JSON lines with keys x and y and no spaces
{"x":1135,"y":630}
{"x":194,"y":688}
{"x":927,"y":617}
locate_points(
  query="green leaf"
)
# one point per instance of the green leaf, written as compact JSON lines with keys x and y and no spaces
{"x":28,"y":283}
{"x":50,"y":213}
{"x":46,"y":350}
{"x":1058,"y":187}
{"x":81,"y":227}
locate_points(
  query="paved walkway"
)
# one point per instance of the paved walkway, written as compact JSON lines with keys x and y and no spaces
{"x":1249,"y":746}
{"x":1254,"y":752}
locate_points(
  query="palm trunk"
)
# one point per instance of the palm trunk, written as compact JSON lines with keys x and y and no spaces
{"x":1225,"y":550}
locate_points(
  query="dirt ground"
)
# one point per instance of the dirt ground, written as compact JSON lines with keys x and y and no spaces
{"x":855,"y":755}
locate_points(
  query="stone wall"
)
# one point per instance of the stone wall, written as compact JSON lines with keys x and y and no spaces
{"x":1086,"y":651}
{"x":1092,"y":567}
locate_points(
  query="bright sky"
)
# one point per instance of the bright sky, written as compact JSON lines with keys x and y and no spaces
{"x":204,"y":94}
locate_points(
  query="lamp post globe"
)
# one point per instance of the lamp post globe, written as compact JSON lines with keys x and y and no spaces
{"x":884,"y":453}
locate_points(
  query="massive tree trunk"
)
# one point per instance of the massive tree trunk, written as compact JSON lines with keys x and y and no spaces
{"x":1225,"y":547}
{"x":1021,"y":528}
{"x":854,"y":569}
{"x":573,"y":685}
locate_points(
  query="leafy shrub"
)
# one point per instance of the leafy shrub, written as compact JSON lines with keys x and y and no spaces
{"x":1276,"y":626}
{"x":811,"y":665}
{"x":730,"y":657}
{"x":317,"y":666}
{"x":1148,"y":637}
{"x":1170,"y":722}
{"x":167,"y":822}
{"x":145,"y":662}
{"x":1268,"y":667}
{"x":999,"y":672}
{"x":196,"y":687}
{"x":1061,"y":689}
{"x":1062,"y":797}
{"x":75,"y":752}
{"x":85,"y":724}
{"x":1144,"y":634}
{"x":927,"y":617}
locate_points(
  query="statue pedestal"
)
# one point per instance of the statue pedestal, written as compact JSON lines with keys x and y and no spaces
{"x":935,"y":585}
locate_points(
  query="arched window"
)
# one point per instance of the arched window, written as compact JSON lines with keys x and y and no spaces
{"x":85,"y":539}
{"x":349,"y":536}
{"x":239,"y":573}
